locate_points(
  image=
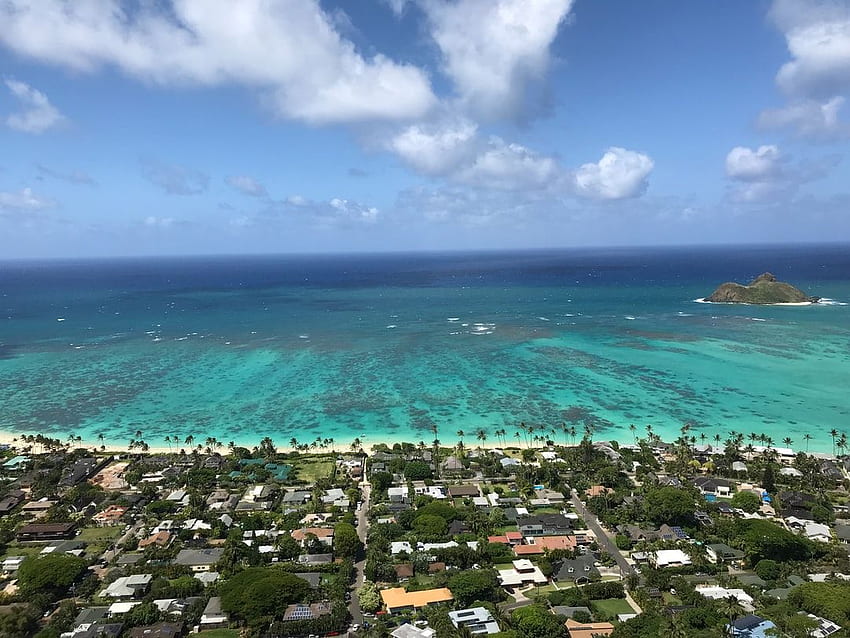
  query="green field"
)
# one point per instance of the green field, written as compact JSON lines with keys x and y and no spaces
{"x":612,"y":607}
{"x":310,"y":470}
{"x":99,"y":534}
{"x":219,"y":633}
{"x":21,"y":550}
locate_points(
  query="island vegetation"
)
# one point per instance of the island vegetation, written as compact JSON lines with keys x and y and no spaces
{"x":763,"y":290}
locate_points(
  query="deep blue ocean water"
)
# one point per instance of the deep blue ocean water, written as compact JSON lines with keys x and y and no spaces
{"x":385,"y":347}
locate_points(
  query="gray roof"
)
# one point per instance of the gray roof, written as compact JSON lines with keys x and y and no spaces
{"x":312,"y":578}
{"x":199,"y":556}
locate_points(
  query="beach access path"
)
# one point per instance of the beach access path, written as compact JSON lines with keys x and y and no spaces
{"x":602,"y":537}
{"x":362,"y":529}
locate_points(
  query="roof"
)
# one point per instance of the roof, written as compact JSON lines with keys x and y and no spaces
{"x":588,"y":630}
{"x":159,"y":630}
{"x":396,"y":597}
{"x":411,"y":631}
{"x":198,"y":556}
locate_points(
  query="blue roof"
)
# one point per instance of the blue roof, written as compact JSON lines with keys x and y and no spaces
{"x":751,"y":626}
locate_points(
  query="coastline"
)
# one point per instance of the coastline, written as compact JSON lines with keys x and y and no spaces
{"x":770,"y":305}
{"x":8,"y":438}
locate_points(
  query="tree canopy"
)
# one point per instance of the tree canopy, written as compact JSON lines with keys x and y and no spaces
{"x":259,"y":592}
{"x":671,"y":505}
{"x":50,"y":574}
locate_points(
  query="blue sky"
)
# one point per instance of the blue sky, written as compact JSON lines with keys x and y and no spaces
{"x":205,"y":126}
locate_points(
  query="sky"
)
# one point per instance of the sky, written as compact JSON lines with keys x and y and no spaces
{"x":169,"y":127}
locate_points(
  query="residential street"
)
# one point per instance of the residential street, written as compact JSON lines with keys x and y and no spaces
{"x":362,"y":528}
{"x":602,"y":537}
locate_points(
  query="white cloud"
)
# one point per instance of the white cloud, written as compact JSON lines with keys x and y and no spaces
{"x":509,"y":167}
{"x":809,"y":118}
{"x":765,"y":174}
{"x":435,"y":149}
{"x":748,"y":165}
{"x":818,"y":36}
{"x":353,"y":211}
{"x":24,"y":200}
{"x":175,"y":180}
{"x":247,"y":185}
{"x":289,"y":50}
{"x":38,"y":114}
{"x":495,"y":51}
{"x":397,"y":6}
{"x":817,"y":78}
{"x":158,"y":222}
{"x":618,"y":175}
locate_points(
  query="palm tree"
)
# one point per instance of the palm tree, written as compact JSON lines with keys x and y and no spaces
{"x":841,"y":444}
{"x":517,"y":436}
{"x":833,"y":433}
{"x":481,"y":435}
{"x":138,"y":434}
{"x":572,"y":434}
{"x":168,"y":441}
{"x":633,"y":430}
{"x":460,"y":434}
{"x":787,"y":441}
{"x":101,"y":437}
{"x":732,"y":608}
{"x":293,"y":443}
{"x":807,"y":437}
{"x":190,"y":440}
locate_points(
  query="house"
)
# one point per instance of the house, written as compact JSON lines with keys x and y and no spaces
{"x":160,"y":539}
{"x":110,"y":516}
{"x":199,"y":560}
{"x":11,"y":501}
{"x":306,"y":612}
{"x":412,"y":631}
{"x":842,"y":532}
{"x":720,"y":593}
{"x":669,"y":558}
{"x":791,"y":472}
{"x":403,"y":571}
{"x":133,"y":586}
{"x":12,"y":563}
{"x":545,"y":525}
{"x":817,"y":532}
{"x":396,"y":599}
{"x":554,"y":542}
{"x":796,"y":500}
{"x":713,"y":486}
{"x":46,"y":531}
{"x":336,"y":497}
{"x":554,"y":497}
{"x":37,"y":509}
{"x":722,"y":553}
{"x":452,"y":465}
{"x":597,"y":490}
{"x":257,"y":497}
{"x":399,"y":494}
{"x":159,"y":630}
{"x":824,"y":627}
{"x":588,"y":629}
{"x":81,"y":470}
{"x":524,"y":572}
{"x":324,"y":534}
{"x":213,"y":617}
{"x":750,"y":626}
{"x":463,"y":491}
{"x":397,"y":547}
{"x":577,"y":570}
{"x":477,"y":620}
{"x":296,"y":497}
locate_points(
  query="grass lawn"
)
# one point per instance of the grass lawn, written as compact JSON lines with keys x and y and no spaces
{"x":219,"y":633}
{"x":310,"y":470}
{"x":99,"y":534}
{"x":612,"y":606}
{"x":22,"y":550}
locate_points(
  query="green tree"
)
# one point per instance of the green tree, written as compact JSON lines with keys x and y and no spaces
{"x":670,"y":505}
{"x":746,"y":501}
{"x":369,"y":597}
{"x":536,"y":621}
{"x":258,"y":593}
{"x":430,"y":526}
{"x":417,"y":471}
{"x":768,"y":479}
{"x":474,"y":584}
{"x":51,"y":574}
{"x":346,"y":541}
{"x":381,"y":481}
{"x":763,"y":539}
{"x":768,"y":569}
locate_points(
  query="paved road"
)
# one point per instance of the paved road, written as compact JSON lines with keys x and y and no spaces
{"x":602,"y":536}
{"x":359,"y":578}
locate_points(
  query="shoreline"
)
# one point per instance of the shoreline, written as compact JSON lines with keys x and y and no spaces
{"x":341,"y":447}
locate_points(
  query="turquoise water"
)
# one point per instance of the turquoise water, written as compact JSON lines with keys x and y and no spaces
{"x":385,"y":348}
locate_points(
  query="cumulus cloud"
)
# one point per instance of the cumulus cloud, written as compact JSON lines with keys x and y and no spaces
{"x":175,"y":180}
{"x":809,"y":118}
{"x":436,"y":149}
{"x":37,"y":114}
{"x":246,"y":185}
{"x":509,"y":167}
{"x":765,"y":174}
{"x":753,"y":165}
{"x":817,"y":77}
{"x":288,"y":50}
{"x":495,"y":51}
{"x":620,"y":174}
{"x":24,"y":200}
{"x":336,"y":212}
{"x":73,"y":177}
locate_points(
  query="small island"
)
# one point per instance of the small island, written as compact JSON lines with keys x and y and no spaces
{"x":763,"y":290}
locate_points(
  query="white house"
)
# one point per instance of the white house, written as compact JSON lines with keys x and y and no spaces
{"x":720,"y":593}
{"x":669,"y":558}
{"x":524,"y":572}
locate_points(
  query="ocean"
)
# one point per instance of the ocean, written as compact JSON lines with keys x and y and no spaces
{"x":388,"y":347}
